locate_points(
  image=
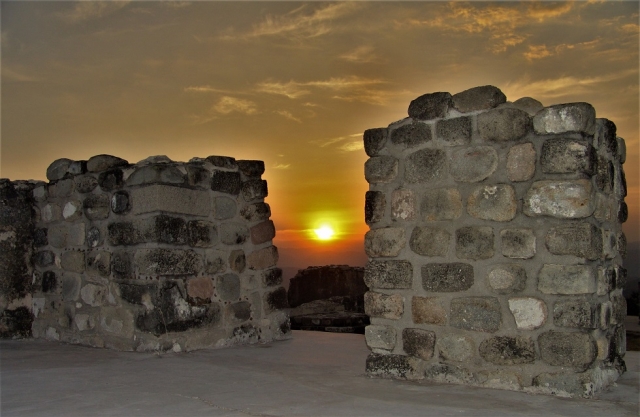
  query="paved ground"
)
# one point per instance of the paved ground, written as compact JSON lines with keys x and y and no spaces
{"x":314,"y":374}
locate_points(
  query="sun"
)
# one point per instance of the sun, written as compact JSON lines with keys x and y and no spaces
{"x":324,"y":232}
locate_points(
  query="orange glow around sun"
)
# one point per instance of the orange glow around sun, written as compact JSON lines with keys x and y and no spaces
{"x":324,"y":232}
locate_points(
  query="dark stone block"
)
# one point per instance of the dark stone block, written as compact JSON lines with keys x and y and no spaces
{"x":171,"y":230}
{"x":430,"y":106}
{"x":168,"y":262}
{"x":199,"y":233}
{"x":383,"y":168}
{"x":480,"y":314}
{"x":44,"y":258}
{"x":135,"y":293}
{"x":374,"y":140}
{"x":425,"y":165}
{"x":455,"y":131}
{"x":478,"y":98}
{"x":575,"y":313}
{"x":254,"y":190}
{"x":389,"y":366}
{"x":241,"y":311}
{"x":419,"y":343}
{"x":120,"y":202}
{"x":237,"y":260}
{"x":506,"y":350}
{"x":276,"y":300}
{"x":388,"y":274}
{"x":246,"y":333}
{"x":606,"y":132}
{"x":578,"y":239}
{"x":565,"y":156}
{"x":605,"y":174}
{"x":226,"y":182}
{"x":623,"y":212}
{"x":103,"y":162}
{"x":251,"y":168}
{"x":374,"y":205}
{"x":228,"y":287}
{"x":94,"y":237}
{"x":411,"y":135}
{"x":575,"y":350}
{"x":123,"y":233}
{"x":198,"y":176}
{"x":256,"y":212}
{"x":49,"y":282}
{"x":447,"y":277}
{"x":620,"y":277}
{"x":122,"y":265}
{"x":111,"y":179}
{"x":504,"y":124}
{"x":40,"y":237}
{"x":85,"y":183}
{"x":16,"y":323}
{"x":99,"y":262}
{"x":272,"y":277}
{"x":222,"y":161}
{"x":96,"y":206}
{"x":474,"y":243}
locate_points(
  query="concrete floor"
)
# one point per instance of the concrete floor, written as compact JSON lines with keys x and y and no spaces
{"x":314,"y":374}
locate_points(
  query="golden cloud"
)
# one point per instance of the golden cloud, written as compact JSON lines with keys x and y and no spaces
{"x":228,"y":105}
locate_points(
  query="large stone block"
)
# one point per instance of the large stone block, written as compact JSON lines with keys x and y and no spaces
{"x":94,"y":295}
{"x":226,"y":182}
{"x":99,"y":263}
{"x":507,"y":278}
{"x":254,"y":190}
{"x":72,"y":261}
{"x":275,"y":300}
{"x":430,"y":106}
{"x":482,"y":314}
{"x":170,"y":199}
{"x":518,"y":243}
{"x":85,"y":183}
{"x":96,"y":206}
{"x":388,"y":274}
{"x":561,"y":118}
{"x":575,"y":313}
{"x":441,"y":204}
{"x":579,"y":239}
{"x":453,"y":347}
{"x":507,"y":350}
{"x":374,"y":140}
{"x":561,"y":199}
{"x":263,"y":258}
{"x":454,"y":132}
{"x":521,"y":162}
{"x":430,"y":241}
{"x":232,"y":233}
{"x":227,"y":287}
{"x":565,"y":156}
{"x":505,"y":124}
{"x":478,"y":98}
{"x":374,"y":205}
{"x":167,"y":262}
{"x":116,"y":320}
{"x":200,"y":290}
{"x":567,"y":279}
{"x":58,"y":169}
{"x":390,"y":366}
{"x":575,"y":350}
{"x":253,"y":212}
{"x":262,"y":232}
{"x":528,"y":312}
{"x":473,"y":164}
{"x":51,"y":213}
{"x":111,"y":179}
{"x":403,"y":205}
{"x":380,"y":169}
{"x":493,"y":202}
{"x":251,"y":168}
{"x":411,"y":135}
{"x":419,"y":343}
{"x":447,"y":277}
{"x":200,"y":233}
{"x":382,"y":305}
{"x":429,"y":310}
{"x":474,"y":242}
{"x":386,"y":242}
{"x":103,"y":162}
{"x":380,"y":337}
{"x":226,"y":208}
{"x":425,"y":165}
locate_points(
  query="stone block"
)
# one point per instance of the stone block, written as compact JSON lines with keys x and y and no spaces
{"x":425,"y":165}
{"x":403,"y":205}
{"x":566,"y":279}
{"x":199,"y":233}
{"x":441,"y":204}
{"x":507,"y":350}
{"x":156,"y":174}
{"x":380,"y":169}
{"x":429,"y":310}
{"x":386,"y":242}
{"x":481,"y":314}
{"x":255,"y":212}
{"x":200,"y":290}
{"x":453,"y":347}
{"x":71,"y":287}
{"x":51,"y":213}
{"x":272,"y":277}
{"x":521,"y":162}
{"x":561,"y":118}
{"x":560,"y":199}
{"x":619,"y":307}
{"x":382,"y":305}
{"x":72,"y":261}
{"x":96,"y":206}
{"x":623,"y":212}
{"x":474,"y":242}
{"x":411,"y":135}
{"x":40,"y":237}
{"x":622,"y":150}
{"x":473,"y":164}
{"x":215,"y":261}
{"x":167,"y":262}
{"x":58,"y":169}
{"x":575,"y":350}
{"x":72,"y":210}
{"x":454,"y":132}
{"x":581,"y":239}
{"x":103,"y":162}
{"x":225,"y":208}
{"x":374,"y":205}
{"x":49,"y":282}
{"x":380,"y":337}
{"x":430,"y":106}
{"x":84,"y":322}
{"x":237,"y":260}
{"x":85,"y":183}
{"x":430,"y":241}
{"x":238,"y":312}
{"x":275,"y":300}
{"x":493,"y":202}
{"x":529,"y":313}
{"x":478,"y":98}
{"x":374,"y":140}
{"x":447,"y":277}
{"x":518,"y":243}
{"x":567,"y":156}
{"x":390,"y":366}
{"x":94,"y":295}
{"x":528,"y":104}
{"x":565,"y":384}
{"x":227,"y":287}
{"x":388,"y":274}
{"x":419,"y":343}
{"x":120,"y":202}
{"x":112,"y":179}
{"x":504,"y":124}
{"x":233,"y":233}
{"x":575,"y":313}
{"x":122,"y":265}
{"x":124,"y":233}
{"x":197,"y":176}
{"x":605,"y":174}
{"x":254,"y":190}
{"x":225,"y":162}
{"x":507,"y":278}
{"x":116,"y":320}
{"x":40,"y":193}
{"x":99,"y":263}
{"x":44,"y":258}
{"x":166,"y":198}
{"x":64,"y":235}
{"x":262,"y":232}
{"x":605,"y":136}
{"x":251,"y":168}
{"x":263,"y":258}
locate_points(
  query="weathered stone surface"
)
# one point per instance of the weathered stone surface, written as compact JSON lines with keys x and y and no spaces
{"x":566,"y":279}
{"x":262,"y":232}
{"x":518,"y":243}
{"x":374,"y":140}
{"x":167,"y":262}
{"x":385,"y":306}
{"x":575,"y":313}
{"x":276,"y":300}
{"x":425,"y":165}
{"x":94,"y":295}
{"x":44,"y":258}
{"x":237,"y":260}
{"x":452,"y":347}
{"x":529,"y":313}
{"x":429,"y":310}
{"x":528,"y":104}
{"x":40,"y":237}
{"x":198,"y":176}
{"x":403,"y":204}
{"x":506,"y":350}
{"x":84,"y":322}
{"x":388,"y":274}
{"x":447,"y":277}
{"x":474,"y":243}
{"x":233,"y":233}
{"x":605,"y":174}
{"x":40,"y":193}
{"x":564,"y":156}
{"x":251,"y":168}
{"x":473,"y":164}
{"x":64,"y":235}
{"x":419,"y":343}
{"x":385,"y":242}
{"x":622,"y":150}
{"x":578,"y":239}
{"x":85,"y":183}
{"x":99,"y":263}
{"x":122,"y":265}
{"x":412,"y":134}
{"x":493,"y":202}
{"x":430,"y":106}
{"x":158,"y":197}
{"x":374,"y":206}
{"x":161,"y":173}
{"x":226,"y":208}
{"x":507,"y":278}
{"x":605,"y":136}
{"x":199,"y":233}
{"x":570,"y":117}
{"x":254,"y":190}
{"x":272,"y":277}
{"x":566,"y":349}
{"x":380,"y":337}
{"x":103,"y":162}
{"x":61,"y":188}
{"x":380,"y":169}
{"x":72,"y":261}
{"x":117,"y":321}
{"x":51,"y":212}
{"x":96,"y":206}
{"x":58,"y":169}
{"x":72,"y":210}
{"x":504,"y":124}
{"x":263,"y":258}
{"x":441,"y":204}
{"x":478,"y":98}
{"x":215,"y":261}
{"x":255,"y":212}
{"x":120,"y":202}
{"x":239,"y":312}
{"x":480,"y":314}
{"x":226,"y":162}
{"x":112,"y":179}
{"x":49,"y":282}
{"x":430,"y":241}
{"x":227,"y":287}
{"x":454,"y":132}
{"x":226,"y":182}
{"x":619,"y":307}
{"x":521,"y":162}
{"x":561,"y":199}
{"x":70,"y":287}
{"x":389,"y":366}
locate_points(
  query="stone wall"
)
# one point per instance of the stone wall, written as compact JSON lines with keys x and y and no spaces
{"x":157,"y":255}
{"x":495,"y":244}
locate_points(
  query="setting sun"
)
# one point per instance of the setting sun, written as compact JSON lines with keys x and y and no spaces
{"x":324,"y":232}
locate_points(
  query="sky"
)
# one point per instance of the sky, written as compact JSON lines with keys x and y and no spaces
{"x":295,"y":85}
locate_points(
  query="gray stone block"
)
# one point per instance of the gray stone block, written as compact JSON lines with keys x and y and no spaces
{"x":233,"y":233}
{"x":619,"y":307}
{"x":239,"y":312}
{"x":380,"y":169}
{"x":411,"y":135}
{"x":156,"y":174}
{"x":215,"y":261}
{"x":380,"y":337}
{"x":225,"y":208}
{"x":454,"y":132}
{"x":388,"y":274}
{"x":419,"y":343}
{"x":94,"y":295}
{"x":198,"y":176}
{"x":518,"y":243}
{"x":430,"y":241}
{"x":575,"y":350}
{"x":226,"y":162}
{"x":566,"y":279}
{"x":567,"y":156}
{"x":272,"y":277}
{"x":441,"y":204}
{"x":96,"y":206}
{"x":72,"y":261}
{"x":521,"y":162}
{"x":578,"y":239}
{"x":170,"y":199}
{"x":447,"y":277}
{"x":528,"y":104}
{"x":504,"y":124}
{"x":429,"y":310}
{"x":51,"y":213}
{"x":474,"y":243}
{"x":85,"y":183}
{"x":226,"y":182}
{"x":275,"y":300}
{"x":561,"y":118}
{"x":482,"y":314}
{"x":200,"y":233}
{"x":478,"y":98}
{"x":622,"y":150}
{"x":40,"y":237}
{"x":116,"y":320}
{"x":575,"y":313}
{"x":493,"y":202}
{"x":473,"y":164}
{"x":605,"y":136}
{"x":507,"y":350}
{"x":254,"y":190}
{"x":454,"y":347}
{"x":386,"y":242}
{"x":251,"y":168}
{"x":382,"y":305}
{"x":560,"y":199}
{"x":120,"y":202}
{"x":103,"y":162}
{"x":58,"y":169}
{"x":61,"y":188}
{"x":430,"y":106}
{"x":167,"y":262}
{"x":255,"y":212}
{"x":507,"y":278}
{"x":425,"y":165}
{"x":227,"y":287}
{"x":122,"y":265}
{"x":403,"y":204}
{"x":71,"y":287}
{"x":99,"y":263}
{"x":374,"y":205}
{"x":389,"y":366}
{"x":237,"y":260}
{"x":374,"y":140}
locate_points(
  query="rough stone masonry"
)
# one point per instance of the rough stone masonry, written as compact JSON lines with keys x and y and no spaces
{"x":156,"y":255}
{"x":495,"y":245}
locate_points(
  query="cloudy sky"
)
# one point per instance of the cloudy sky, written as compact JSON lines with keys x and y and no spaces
{"x":294,"y":84}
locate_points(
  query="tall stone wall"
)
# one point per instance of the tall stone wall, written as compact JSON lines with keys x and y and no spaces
{"x":495,"y":244}
{"x":157,"y":255}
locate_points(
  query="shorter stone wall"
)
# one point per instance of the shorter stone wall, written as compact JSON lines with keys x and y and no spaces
{"x":157,"y":255}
